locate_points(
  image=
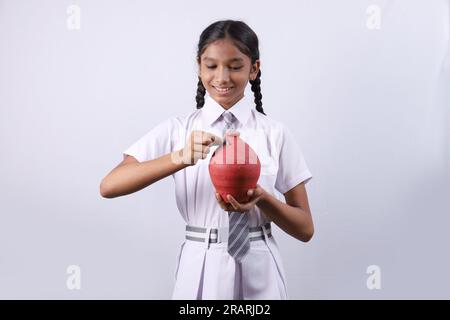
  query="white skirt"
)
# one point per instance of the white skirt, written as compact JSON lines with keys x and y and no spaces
{"x":208,"y":272}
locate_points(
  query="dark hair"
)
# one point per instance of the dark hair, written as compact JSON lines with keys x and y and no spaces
{"x":245,"y":39}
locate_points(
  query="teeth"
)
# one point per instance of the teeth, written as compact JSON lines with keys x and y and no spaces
{"x":223,"y":89}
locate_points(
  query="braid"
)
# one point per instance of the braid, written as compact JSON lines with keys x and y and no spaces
{"x":200,"y":98}
{"x":256,"y":88}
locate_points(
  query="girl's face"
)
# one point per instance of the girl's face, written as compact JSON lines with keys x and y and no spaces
{"x":225,"y":71}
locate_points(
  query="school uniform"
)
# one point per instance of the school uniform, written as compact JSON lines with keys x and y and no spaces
{"x":205,"y":269}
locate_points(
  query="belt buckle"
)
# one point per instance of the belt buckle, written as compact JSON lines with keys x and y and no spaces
{"x":222,"y":234}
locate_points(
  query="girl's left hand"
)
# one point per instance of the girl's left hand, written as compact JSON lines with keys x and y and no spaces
{"x":254,"y":194}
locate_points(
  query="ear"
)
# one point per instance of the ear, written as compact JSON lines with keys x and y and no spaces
{"x":254,"y":70}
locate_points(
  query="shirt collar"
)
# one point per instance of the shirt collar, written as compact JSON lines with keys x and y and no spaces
{"x":212,"y":110}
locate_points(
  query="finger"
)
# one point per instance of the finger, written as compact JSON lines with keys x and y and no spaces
{"x":210,"y":139}
{"x":224,"y":207}
{"x":201,"y":137}
{"x":216,"y":140}
{"x":200,"y":148}
{"x":219,"y":198}
{"x":222,"y":203}
{"x":229,"y":207}
{"x":236,"y":205}
{"x":257,"y":192}
{"x":256,"y":198}
{"x":251,"y":204}
{"x":253,"y":194}
{"x":207,"y":140}
{"x":197,"y":137}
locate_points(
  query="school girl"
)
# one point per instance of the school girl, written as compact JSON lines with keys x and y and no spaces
{"x":229,"y":251}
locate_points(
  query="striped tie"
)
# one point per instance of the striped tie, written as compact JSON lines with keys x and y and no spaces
{"x":238,"y":233}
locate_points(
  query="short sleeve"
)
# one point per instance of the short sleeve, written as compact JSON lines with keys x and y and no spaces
{"x":292,"y":167}
{"x":155,"y":143}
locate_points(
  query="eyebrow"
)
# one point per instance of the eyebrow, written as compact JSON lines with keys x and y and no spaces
{"x":231,"y":60}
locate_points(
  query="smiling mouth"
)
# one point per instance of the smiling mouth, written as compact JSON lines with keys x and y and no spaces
{"x":223,"y":90}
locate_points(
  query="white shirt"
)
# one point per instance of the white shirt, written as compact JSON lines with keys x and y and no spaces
{"x":208,"y":271}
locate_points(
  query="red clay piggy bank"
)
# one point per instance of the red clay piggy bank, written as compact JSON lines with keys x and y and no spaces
{"x":234,"y":169}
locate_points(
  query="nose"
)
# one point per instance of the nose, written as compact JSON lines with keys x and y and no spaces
{"x":222,"y":75}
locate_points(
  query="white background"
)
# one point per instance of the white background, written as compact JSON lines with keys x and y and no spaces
{"x":368,"y":106}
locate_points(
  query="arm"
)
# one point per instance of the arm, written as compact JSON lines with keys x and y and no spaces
{"x":131,"y":175}
{"x":294,"y":216}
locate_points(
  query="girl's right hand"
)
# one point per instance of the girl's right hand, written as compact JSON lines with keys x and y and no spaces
{"x":198,"y":146}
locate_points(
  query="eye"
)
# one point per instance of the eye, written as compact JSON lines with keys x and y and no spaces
{"x":233,"y":68}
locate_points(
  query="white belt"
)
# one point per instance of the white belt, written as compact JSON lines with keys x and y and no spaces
{"x":220,"y":235}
